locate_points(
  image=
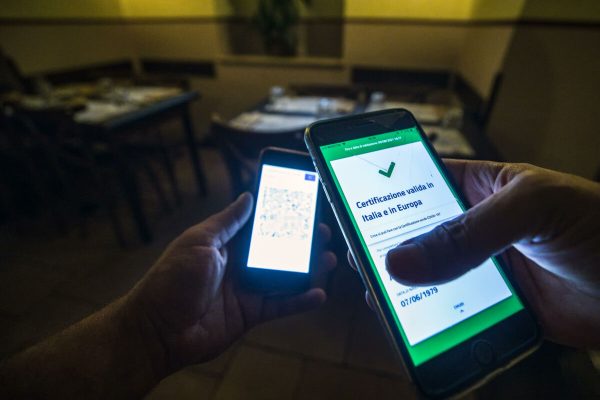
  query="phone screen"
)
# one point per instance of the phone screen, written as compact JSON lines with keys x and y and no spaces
{"x":393,"y":190}
{"x":282,"y":230}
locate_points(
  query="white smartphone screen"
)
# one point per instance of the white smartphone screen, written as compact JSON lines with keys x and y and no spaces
{"x":282,"y":230}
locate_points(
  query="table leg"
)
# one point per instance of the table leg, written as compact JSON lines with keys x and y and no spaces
{"x":193,"y":149}
{"x":129,"y":184}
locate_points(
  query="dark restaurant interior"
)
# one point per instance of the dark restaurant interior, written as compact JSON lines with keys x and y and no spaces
{"x":125,"y":122}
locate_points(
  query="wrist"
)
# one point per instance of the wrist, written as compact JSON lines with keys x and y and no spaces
{"x":142,"y":333}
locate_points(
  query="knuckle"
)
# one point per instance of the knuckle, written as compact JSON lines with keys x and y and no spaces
{"x":510,"y":172}
{"x":546,"y":197}
{"x":206,"y":254}
{"x":523,"y":167}
{"x":457,"y":236}
{"x":447,"y":243}
{"x":201,"y":234}
{"x":197,"y":261}
{"x":204,"y":237}
{"x":543,"y":188}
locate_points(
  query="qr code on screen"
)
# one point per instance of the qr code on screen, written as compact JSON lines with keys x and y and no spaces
{"x":287,"y":214}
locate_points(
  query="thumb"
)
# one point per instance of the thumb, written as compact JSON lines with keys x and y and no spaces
{"x":456,"y":246}
{"x":226,"y":223}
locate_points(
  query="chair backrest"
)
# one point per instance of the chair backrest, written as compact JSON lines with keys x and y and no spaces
{"x":10,"y":75}
{"x":117,"y":69}
{"x":249,"y":143}
{"x":178,"y":67}
{"x":31,"y":167}
{"x":240,"y":148}
{"x":368,"y":75}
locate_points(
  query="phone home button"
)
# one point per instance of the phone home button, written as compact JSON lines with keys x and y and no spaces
{"x":483,"y":353}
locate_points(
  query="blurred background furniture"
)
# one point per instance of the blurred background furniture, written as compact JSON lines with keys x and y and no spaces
{"x":123,"y":120}
{"x":50,"y":173}
{"x":281,"y":118}
{"x":143,"y":117}
{"x":241,"y":148}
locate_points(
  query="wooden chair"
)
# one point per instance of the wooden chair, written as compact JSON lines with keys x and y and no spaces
{"x":240,"y":149}
{"x":31,"y":170}
{"x":70,"y":172}
{"x":11,"y":78}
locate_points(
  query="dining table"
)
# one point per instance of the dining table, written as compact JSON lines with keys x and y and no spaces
{"x":108,"y":111}
{"x":457,"y":138}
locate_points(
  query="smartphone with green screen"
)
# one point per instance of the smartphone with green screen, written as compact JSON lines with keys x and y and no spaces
{"x":386,"y":184}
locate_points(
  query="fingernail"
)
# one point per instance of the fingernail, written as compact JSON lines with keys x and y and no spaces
{"x":244,"y":194}
{"x":406,"y":262}
{"x":245,"y":197}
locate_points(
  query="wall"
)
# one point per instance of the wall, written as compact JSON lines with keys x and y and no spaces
{"x":51,"y":35}
{"x":547,"y":108}
{"x":41,"y":47}
{"x":63,"y":9}
{"x":553,"y":10}
{"x":390,"y":9}
{"x":468,"y":36}
{"x":403,"y":45}
{"x":397,"y":34}
{"x":406,"y":34}
{"x":477,"y":38}
{"x":409,"y":33}
{"x":409,"y":9}
{"x":547,"y":103}
{"x":481,"y":56}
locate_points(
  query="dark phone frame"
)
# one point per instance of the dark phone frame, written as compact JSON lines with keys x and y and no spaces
{"x":511,"y":339}
{"x":268,"y":280}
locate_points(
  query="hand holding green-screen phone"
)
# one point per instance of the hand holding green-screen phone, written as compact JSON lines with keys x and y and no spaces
{"x":549,"y":225}
{"x":446,"y":298}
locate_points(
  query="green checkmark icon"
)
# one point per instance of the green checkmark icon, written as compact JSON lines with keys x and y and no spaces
{"x":389,"y":171}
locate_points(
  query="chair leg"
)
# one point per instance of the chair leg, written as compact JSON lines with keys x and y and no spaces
{"x":129,"y":185}
{"x":6,"y":211}
{"x":111,"y":208}
{"x":57,"y":184}
{"x":194,"y":151}
{"x":109,"y":203}
{"x":64,"y":193}
{"x":107,"y":197}
{"x":47,"y":194}
{"x":160,"y":193}
{"x":233,"y":167}
{"x":169,"y":167}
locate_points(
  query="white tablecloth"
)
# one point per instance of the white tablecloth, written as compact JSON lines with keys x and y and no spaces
{"x":264,"y":122}
{"x":449,"y":141}
{"x":424,"y":113}
{"x":310,"y":104}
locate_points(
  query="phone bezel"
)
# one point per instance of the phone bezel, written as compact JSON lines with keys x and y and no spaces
{"x":454,"y":379}
{"x":268,"y":280}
